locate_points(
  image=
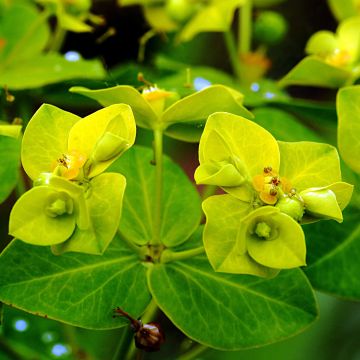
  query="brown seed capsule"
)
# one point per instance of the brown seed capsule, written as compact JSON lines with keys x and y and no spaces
{"x":148,"y":337}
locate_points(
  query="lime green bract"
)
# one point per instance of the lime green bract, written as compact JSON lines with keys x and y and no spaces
{"x":73,"y":206}
{"x":272,"y":187}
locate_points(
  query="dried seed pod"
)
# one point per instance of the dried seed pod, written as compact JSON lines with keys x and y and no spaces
{"x":148,"y":337}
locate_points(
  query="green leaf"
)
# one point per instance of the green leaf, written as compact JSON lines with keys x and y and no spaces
{"x":192,"y":111}
{"x":93,"y":136}
{"x":46,"y":139}
{"x":180,"y":200}
{"x":282,"y":125}
{"x":47,"y":69}
{"x":223,"y":142}
{"x":333,"y":255}
{"x":230,"y":312}
{"x":313,"y":71}
{"x":26,"y":39}
{"x":73,"y":288}
{"x":307,"y":164}
{"x":143,"y":112}
{"x":9,"y":165}
{"x":158,"y":18}
{"x":283,"y":247}
{"x":225,"y":250}
{"x":215,"y":17}
{"x":348,"y":109}
{"x":30,"y":222}
{"x":104,"y":205}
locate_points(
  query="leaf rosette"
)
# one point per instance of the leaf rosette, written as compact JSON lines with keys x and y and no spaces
{"x":73,"y":206}
{"x":256,"y":224}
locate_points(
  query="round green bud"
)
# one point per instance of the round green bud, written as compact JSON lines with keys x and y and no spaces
{"x":291,"y":206}
{"x":58,"y":204}
{"x":109,"y":147}
{"x":270,"y":27}
{"x":180,"y":10}
{"x":263,"y":230}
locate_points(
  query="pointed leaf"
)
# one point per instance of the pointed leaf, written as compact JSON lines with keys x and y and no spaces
{"x":230,"y":312}
{"x":348,"y":109}
{"x":46,"y":139}
{"x":143,"y":112}
{"x":30,"y":222}
{"x":333,"y":255}
{"x":89,"y":136}
{"x":225,"y":250}
{"x":309,"y":164}
{"x":313,"y":71}
{"x":104,"y":205}
{"x":73,"y":288}
{"x":180,"y":200}
{"x":48,"y":69}
{"x":192,"y":111}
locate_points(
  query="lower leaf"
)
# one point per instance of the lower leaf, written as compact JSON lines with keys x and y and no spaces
{"x":230,"y":312}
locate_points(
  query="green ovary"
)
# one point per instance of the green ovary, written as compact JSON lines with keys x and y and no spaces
{"x":263,"y":230}
{"x":58,"y":205}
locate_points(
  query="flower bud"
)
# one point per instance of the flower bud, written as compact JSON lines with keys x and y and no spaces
{"x":58,"y":204}
{"x":180,"y":10}
{"x":321,"y":203}
{"x":109,"y":146}
{"x":270,"y":27}
{"x":291,"y":206}
{"x":149,"y":337}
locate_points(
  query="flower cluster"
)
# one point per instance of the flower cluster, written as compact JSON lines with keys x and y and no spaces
{"x":73,"y":205}
{"x":255,"y":227}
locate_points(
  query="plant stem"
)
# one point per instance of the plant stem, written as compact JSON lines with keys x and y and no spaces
{"x":126,"y":337}
{"x":244,"y":38}
{"x":233,"y":54}
{"x":149,"y":315}
{"x":158,"y":155}
{"x":208,"y":190}
{"x":57,"y":39}
{"x":139,"y":250}
{"x":9,"y":350}
{"x":168,"y":255}
{"x":193,"y":352}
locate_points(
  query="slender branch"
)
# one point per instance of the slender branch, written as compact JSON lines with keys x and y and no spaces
{"x":168,"y":255}
{"x":193,"y":352}
{"x":158,"y":150}
{"x":139,"y":250}
{"x":233,"y":54}
{"x":58,"y":38}
{"x":245,"y":30}
{"x":126,"y":336}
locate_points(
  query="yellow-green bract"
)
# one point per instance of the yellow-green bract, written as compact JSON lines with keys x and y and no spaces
{"x":271,"y":187}
{"x":73,"y":206}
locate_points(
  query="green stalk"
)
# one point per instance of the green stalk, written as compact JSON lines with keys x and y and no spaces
{"x":193,"y":353}
{"x":149,"y":315}
{"x":158,"y":152}
{"x":57,"y":39}
{"x":168,"y":255}
{"x":245,"y":28}
{"x":233,"y":54}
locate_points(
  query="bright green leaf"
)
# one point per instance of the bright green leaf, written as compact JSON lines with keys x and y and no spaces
{"x":143,"y":112}
{"x":230,"y":312}
{"x":313,"y":71}
{"x":225,"y":250}
{"x":190,"y":113}
{"x":13,"y":131}
{"x":74,"y":288}
{"x":308,"y":164}
{"x":30,"y":222}
{"x":348,"y":109}
{"x":333,"y":255}
{"x":215,"y":17}
{"x":89,"y":136}
{"x":41,"y":70}
{"x":158,"y":19}
{"x":9,"y":165}
{"x":283,"y":125}
{"x":46,"y":139}
{"x":104,"y":205}
{"x":180,"y":200}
